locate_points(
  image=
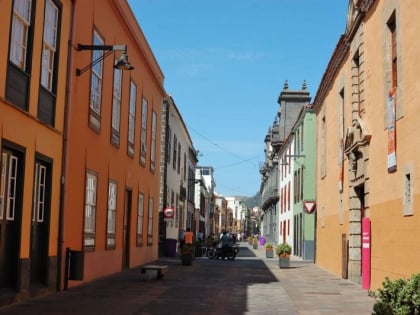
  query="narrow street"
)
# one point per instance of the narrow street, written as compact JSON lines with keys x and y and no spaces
{"x":250,"y":284}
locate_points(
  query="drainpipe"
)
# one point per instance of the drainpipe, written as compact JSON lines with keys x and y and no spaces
{"x":69,"y":76}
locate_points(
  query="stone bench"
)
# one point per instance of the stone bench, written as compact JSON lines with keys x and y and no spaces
{"x":155,"y":271}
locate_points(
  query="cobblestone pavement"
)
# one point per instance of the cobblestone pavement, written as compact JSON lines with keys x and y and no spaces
{"x":250,"y":284}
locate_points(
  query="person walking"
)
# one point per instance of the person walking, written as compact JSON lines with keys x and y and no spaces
{"x":189,"y":237}
{"x":181,"y":239}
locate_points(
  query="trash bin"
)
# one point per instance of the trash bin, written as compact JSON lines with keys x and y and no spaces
{"x":170,"y":247}
{"x":76,"y":265}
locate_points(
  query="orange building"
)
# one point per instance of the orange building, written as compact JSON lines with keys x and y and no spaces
{"x":368,"y":225}
{"x":112,"y":144}
{"x":33,"y":61}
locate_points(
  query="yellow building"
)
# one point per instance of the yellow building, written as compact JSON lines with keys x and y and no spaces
{"x":33,"y":69}
{"x":368,"y":226}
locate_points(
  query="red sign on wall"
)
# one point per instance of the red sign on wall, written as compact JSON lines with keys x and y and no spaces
{"x":168,"y":213}
{"x":309,"y":206}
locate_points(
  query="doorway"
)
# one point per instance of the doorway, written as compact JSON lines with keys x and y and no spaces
{"x":40,"y":223}
{"x":126,"y":229}
{"x":11,"y":181}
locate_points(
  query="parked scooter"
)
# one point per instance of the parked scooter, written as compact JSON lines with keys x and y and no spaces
{"x":227,"y":251}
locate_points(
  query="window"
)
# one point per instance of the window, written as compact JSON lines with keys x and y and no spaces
{"x":185,"y":166}
{"x":132,"y":118}
{"x":177,"y":216}
{"x":301,"y":182}
{"x":341,"y":135}
{"x":96,"y":84}
{"x":174,"y":155}
{"x":21,"y":23}
{"x":116,"y":107}
{"x":408,"y":191}
{"x":143,"y":140}
{"x":392,"y":26}
{"x":168,"y":158}
{"x":20,"y":51}
{"x":50,"y":45}
{"x":323,"y":145}
{"x":140,"y":215}
{"x":112,"y":214}
{"x":153,"y":143}
{"x":8,"y":189}
{"x":49,"y":64}
{"x":179,"y":158}
{"x":357,"y":84}
{"x":90,"y":209}
{"x":39,"y":197}
{"x":150,"y":222}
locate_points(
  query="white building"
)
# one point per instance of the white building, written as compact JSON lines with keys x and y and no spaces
{"x":178,"y":163}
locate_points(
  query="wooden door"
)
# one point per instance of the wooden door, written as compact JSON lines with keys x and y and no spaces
{"x":126,"y":229}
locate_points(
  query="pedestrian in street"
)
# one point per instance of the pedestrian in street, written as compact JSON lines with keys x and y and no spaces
{"x":189,"y":237}
{"x":181,"y":239}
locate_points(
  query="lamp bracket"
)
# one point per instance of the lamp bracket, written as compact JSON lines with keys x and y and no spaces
{"x":102,"y":47}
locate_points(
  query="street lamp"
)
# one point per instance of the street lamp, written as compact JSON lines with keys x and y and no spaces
{"x":121,"y":64}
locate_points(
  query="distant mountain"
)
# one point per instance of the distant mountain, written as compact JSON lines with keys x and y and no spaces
{"x":254,"y":201}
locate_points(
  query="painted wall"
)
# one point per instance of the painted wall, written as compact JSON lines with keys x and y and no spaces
{"x":395,"y":232}
{"x":90,"y":149}
{"x":22,"y":130}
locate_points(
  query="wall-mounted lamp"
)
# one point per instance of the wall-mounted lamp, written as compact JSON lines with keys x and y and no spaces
{"x":294,"y":156}
{"x":121,"y":64}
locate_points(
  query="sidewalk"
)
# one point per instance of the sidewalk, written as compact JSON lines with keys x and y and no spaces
{"x":250,"y":284}
{"x":314,"y":290}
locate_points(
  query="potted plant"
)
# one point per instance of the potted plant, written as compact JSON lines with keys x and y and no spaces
{"x":262,"y":240}
{"x":249,"y":239}
{"x":255,"y":243}
{"x":269,"y":250}
{"x":187,"y":254}
{"x":283,"y":251}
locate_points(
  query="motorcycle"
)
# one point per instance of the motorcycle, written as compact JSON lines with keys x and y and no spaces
{"x":228,"y":251}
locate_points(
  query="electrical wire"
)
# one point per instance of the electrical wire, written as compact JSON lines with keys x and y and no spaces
{"x":224,"y":150}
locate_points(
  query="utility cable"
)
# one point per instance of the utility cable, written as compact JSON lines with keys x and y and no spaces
{"x":223,"y":149}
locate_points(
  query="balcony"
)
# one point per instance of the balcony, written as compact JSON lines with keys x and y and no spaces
{"x":276,"y":140}
{"x":269,"y":197}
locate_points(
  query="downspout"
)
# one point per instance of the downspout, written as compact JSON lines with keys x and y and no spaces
{"x":60,"y":250}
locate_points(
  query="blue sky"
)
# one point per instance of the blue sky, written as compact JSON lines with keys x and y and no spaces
{"x":225,"y":63}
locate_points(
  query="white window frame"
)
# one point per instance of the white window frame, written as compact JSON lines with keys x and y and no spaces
{"x":112,"y":213}
{"x":153,"y":142}
{"x":50,"y":44}
{"x":132,"y":117}
{"x":150,"y":222}
{"x":8,"y":191}
{"x":140,"y":216}
{"x":90,"y":209}
{"x":116,"y":106}
{"x":21,"y":22}
{"x":40,"y":183}
{"x":143,"y":140}
{"x":96,"y":82}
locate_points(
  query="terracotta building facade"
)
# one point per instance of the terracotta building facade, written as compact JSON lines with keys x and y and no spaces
{"x":112,"y":144}
{"x":33,"y":70}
